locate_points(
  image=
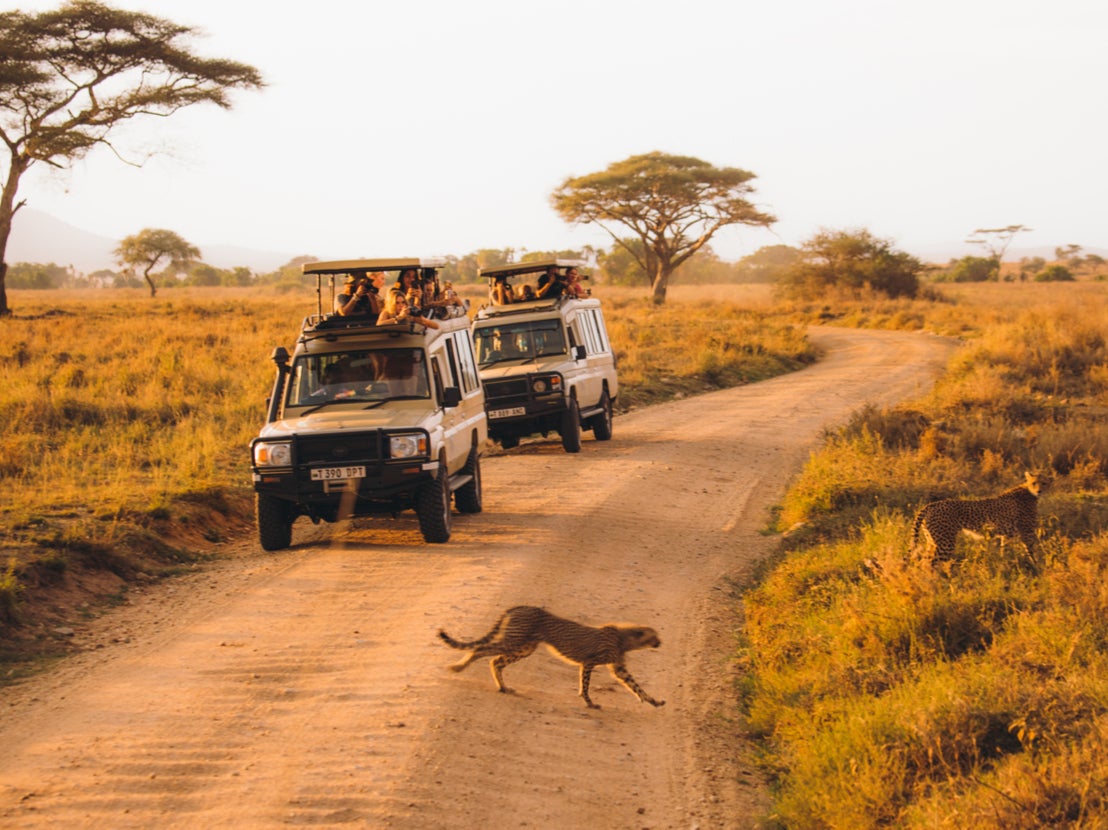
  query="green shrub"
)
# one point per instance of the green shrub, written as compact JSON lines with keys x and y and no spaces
{"x":1055,"y":273}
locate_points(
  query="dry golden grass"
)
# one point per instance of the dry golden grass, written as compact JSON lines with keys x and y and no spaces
{"x":119,"y":403}
{"x":892,"y":693}
{"x":126,"y":420}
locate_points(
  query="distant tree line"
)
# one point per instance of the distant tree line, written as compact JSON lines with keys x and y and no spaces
{"x":852,"y":260}
{"x":1069,"y":265}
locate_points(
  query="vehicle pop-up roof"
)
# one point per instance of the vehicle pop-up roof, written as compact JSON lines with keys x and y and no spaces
{"x":537,"y":266}
{"x":361,"y":267}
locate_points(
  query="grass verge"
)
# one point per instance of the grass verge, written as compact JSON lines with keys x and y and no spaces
{"x":888,"y":691}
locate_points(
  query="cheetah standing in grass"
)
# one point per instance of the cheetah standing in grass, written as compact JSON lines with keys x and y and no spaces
{"x":522,"y":629}
{"x":1014,"y":512}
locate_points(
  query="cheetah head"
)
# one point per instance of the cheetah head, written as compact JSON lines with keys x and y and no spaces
{"x":1035,"y":482}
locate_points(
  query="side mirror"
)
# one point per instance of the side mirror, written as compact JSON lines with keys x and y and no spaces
{"x":578,"y":352}
{"x":451,"y":396}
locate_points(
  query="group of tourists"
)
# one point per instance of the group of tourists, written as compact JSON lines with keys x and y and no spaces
{"x":411,"y":298}
{"x":553,"y":283}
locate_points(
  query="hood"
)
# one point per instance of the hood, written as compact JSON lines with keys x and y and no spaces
{"x":339,"y":417}
{"x":517,"y":368}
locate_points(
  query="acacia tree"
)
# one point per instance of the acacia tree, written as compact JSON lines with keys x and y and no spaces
{"x":672,"y":205}
{"x":996,"y":242}
{"x":149,"y":247}
{"x":68,"y":77}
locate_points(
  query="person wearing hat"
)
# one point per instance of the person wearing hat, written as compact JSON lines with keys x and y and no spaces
{"x":359,"y":296}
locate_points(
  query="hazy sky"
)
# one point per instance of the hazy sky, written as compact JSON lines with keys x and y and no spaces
{"x":441,"y":127}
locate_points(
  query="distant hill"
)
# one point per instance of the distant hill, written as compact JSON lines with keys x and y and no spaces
{"x":39,"y":237}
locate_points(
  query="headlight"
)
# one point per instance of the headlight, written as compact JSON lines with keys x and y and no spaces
{"x":541,"y":386}
{"x":273,"y":455}
{"x":407,"y":446}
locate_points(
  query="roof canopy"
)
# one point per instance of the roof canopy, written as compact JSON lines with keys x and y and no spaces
{"x":352,"y":266}
{"x":536,"y":266}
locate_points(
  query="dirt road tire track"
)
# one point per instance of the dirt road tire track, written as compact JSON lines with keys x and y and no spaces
{"x":308,"y":687}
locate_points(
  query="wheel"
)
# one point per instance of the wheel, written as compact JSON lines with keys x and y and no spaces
{"x":509,"y":442}
{"x":433,"y":508}
{"x":571,"y":427}
{"x":467,"y":498}
{"x":274,"y":523}
{"x":601,"y":423}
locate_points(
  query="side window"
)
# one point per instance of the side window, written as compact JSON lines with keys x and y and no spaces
{"x":597,"y":319}
{"x":588,"y":332}
{"x":466,"y":362}
{"x":436,"y":376}
{"x":452,"y":362}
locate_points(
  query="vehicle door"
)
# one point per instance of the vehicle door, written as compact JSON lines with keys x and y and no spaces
{"x":458,"y":368}
{"x":587,"y":378}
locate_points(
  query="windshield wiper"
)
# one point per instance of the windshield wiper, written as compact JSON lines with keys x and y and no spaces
{"x":504,"y":360}
{"x":320,"y":406}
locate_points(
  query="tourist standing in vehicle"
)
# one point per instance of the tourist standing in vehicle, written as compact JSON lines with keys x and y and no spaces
{"x":401,"y":308}
{"x":573,"y":284}
{"x":551,"y":284}
{"x":501,"y":293}
{"x":407,"y":278}
{"x":359,"y":296}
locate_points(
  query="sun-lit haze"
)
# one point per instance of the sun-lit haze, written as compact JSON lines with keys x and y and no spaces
{"x":398,"y":129}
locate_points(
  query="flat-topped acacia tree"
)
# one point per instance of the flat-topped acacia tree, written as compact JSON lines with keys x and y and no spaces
{"x":149,"y":247}
{"x":672,"y":204}
{"x":69,"y":76}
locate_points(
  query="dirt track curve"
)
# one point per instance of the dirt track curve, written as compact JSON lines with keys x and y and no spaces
{"x":308,"y":687}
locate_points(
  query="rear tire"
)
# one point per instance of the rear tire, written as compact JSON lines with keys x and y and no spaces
{"x":274,"y":522}
{"x":571,"y":427}
{"x":433,"y":508}
{"x":467,"y":498}
{"x":601,"y":423}
{"x":510,"y":442}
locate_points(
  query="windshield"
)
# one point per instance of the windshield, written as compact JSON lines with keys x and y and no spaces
{"x":369,"y":375}
{"x":519,"y":341}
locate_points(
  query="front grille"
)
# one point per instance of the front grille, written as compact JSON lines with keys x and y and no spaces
{"x":515,"y":387}
{"x":333,"y":450}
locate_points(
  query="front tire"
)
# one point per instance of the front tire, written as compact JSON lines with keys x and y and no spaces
{"x":601,"y":423}
{"x":467,"y":498}
{"x":274,"y":522}
{"x":433,"y":508}
{"x":571,"y":427}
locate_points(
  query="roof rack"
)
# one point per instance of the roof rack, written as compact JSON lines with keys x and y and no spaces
{"x":333,"y":327}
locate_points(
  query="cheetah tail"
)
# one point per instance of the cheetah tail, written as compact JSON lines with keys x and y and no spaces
{"x":488,"y":638}
{"x":916,"y":525}
{"x":450,"y":641}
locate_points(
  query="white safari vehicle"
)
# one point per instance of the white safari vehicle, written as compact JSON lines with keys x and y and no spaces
{"x":367,"y":419}
{"x":546,"y":365}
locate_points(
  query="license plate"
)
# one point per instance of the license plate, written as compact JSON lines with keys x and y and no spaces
{"x":508,"y":413}
{"x":337,"y":473}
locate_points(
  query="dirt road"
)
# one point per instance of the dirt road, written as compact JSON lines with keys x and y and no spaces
{"x":308,"y":688}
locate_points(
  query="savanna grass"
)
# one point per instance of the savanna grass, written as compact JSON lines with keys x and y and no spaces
{"x":698,"y":343}
{"x":891,"y":692}
{"x":125,"y":420}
